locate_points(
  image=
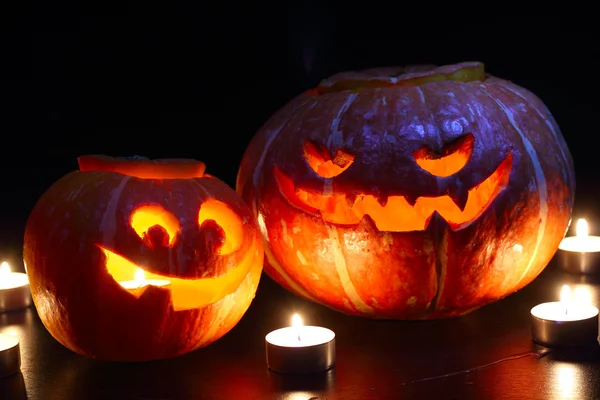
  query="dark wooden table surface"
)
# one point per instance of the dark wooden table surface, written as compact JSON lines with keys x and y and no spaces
{"x":487,"y":354}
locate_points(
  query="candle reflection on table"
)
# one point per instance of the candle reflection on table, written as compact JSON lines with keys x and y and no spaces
{"x":566,"y":380}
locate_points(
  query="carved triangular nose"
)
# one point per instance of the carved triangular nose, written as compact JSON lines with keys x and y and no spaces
{"x":453,"y":157}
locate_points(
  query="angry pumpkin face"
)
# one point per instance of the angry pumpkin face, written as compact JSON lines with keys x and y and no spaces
{"x":147,"y":259}
{"x":421,"y":194}
{"x":398,"y":213}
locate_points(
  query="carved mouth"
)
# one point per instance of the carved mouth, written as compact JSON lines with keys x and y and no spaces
{"x":398,"y":213}
{"x":186,"y":294}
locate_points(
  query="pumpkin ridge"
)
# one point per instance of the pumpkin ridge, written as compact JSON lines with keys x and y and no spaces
{"x":440,"y":246}
{"x":547,"y":120}
{"x":253,"y":202}
{"x":341,"y":267}
{"x":542,"y":185}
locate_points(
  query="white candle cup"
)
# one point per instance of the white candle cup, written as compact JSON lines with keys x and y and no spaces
{"x":15,"y":293}
{"x":566,"y":322}
{"x":300,"y":350}
{"x":580,"y":254}
{"x":10,"y":355}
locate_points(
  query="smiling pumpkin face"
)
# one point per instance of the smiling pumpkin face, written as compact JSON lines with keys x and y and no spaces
{"x":203,"y":251}
{"x":133,"y":260}
{"x":421,"y":194}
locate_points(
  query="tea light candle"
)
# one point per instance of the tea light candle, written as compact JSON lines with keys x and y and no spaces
{"x":10,"y":355}
{"x":140,"y":283}
{"x":14,"y":289}
{"x":580,"y":253}
{"x":572,"y":321}
{"x":300,"y":349}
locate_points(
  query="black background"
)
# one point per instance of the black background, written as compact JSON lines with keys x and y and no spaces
{"x":199,"y":82}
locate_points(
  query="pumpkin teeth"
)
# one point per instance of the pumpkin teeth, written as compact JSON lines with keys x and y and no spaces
{"x":459,"y":195}
{"x":367,"y":223}
{"x":350,"y":199}
{"x":411,"y":200}
{"x":457,"y":204}
{"x":428,"y":220}
{"x":382,"y":198}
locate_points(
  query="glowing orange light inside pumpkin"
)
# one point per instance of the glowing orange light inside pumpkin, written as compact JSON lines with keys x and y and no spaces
{"x":452,"y":160}
{"x":228,"y":220}
{"x":147,"y":216}
{"x":139,"y":276}
{"x":398,"y":215}
{"x":323,"y":164}
{"x":185,"y":293}
{"x":139,"y":283}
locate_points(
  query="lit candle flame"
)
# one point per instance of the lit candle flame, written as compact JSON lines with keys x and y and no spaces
{"x":139,"y":277}
{"x":4,"y":269}
{"x":296,"y":321}
{"x":297,"y":325}
{"x":582,"y":228}
{"x":566,"y":297}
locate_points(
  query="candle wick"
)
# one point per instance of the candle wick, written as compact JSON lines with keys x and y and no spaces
{"x":299,"y":338}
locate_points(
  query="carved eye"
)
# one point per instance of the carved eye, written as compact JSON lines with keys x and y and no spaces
{"x":453,"y":158}
{"x":227,"y":219}
{"x":156,"y":226}
{"x":321,"y":161}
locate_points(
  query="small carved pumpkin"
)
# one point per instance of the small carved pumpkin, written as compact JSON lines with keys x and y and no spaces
{"x":409,"y":193}
{"x":133,"y":259}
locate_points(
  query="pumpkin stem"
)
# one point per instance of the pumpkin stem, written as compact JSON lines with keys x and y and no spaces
{"x":144,"y":168}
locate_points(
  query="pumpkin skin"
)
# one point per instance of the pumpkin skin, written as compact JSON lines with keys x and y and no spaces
{"x":359,"y":186}
{"x":87,"y":220}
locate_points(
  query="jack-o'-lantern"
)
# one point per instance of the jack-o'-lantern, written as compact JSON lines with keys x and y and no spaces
{"x":132,"y":259}
{"x":423,"y":192}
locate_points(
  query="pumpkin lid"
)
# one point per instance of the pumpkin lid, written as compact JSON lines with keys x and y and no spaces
{"x":144,"y":168}
{"x":412,"y":75}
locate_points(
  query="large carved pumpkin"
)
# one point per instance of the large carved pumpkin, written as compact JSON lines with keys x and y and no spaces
{"x":409,"y":193}
{"x":132,"y":259}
